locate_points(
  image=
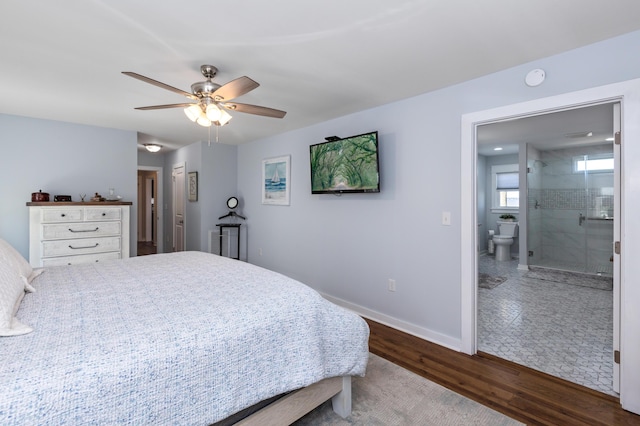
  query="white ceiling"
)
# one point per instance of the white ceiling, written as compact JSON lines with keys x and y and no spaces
{"x":317,"y":60}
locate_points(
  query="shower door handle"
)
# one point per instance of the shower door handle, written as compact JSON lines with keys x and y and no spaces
{"x":581,"y":218}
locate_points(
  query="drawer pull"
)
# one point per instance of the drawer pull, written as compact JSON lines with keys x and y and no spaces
{"x":84,"y":230}
{"x":85,"y":247}
{"x":104,"y":214}
{"x":62,"y":215}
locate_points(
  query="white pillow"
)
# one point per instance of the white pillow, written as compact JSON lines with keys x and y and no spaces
{"x":12,"y":287}
{"x":20,"y":263}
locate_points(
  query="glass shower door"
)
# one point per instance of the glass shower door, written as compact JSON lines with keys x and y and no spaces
{"x":570,"y":209}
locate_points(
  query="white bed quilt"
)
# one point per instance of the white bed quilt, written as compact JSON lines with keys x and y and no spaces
{"x":183,"y":338}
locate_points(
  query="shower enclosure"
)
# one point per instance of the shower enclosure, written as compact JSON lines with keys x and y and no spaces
{"x":570,"y":209}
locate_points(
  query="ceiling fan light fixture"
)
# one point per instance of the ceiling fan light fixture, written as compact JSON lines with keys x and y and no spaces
{"x":193,"y":112}
{"x":203,"y":120}
{"x":213,"y":112}
{"x":152,"y":147}
{"x":207,"y":94}
{"x":225,"y":117}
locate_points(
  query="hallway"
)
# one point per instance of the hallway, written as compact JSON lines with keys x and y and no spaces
{"x":146,"y":247}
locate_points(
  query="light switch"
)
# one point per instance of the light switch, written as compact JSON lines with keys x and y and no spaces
{"x":446,"y":218}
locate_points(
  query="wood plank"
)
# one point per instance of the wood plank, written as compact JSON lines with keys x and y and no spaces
{"x":291,"y":407}
{"x":524,"y":394}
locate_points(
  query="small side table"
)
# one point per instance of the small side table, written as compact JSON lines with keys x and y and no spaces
{"x":221,"y":226}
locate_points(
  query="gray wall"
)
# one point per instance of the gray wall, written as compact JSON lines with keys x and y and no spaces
{"x":61,"y":159}
{"x":216,"y":167}
{"x":349,"y":246}
{"x":481,"y":204}
{"x":151,"y":159}
{"x":219,"y":182}
{"x":491,"y":218}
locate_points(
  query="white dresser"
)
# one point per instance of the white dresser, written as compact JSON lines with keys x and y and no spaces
{"x":66,"y":233}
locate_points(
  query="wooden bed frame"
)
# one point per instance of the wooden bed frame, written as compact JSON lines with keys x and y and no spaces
{"x":294,"y":405}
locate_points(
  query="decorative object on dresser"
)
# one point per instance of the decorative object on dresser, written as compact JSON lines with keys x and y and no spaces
{"x":98,"y":197}
{"x":39,"y":196}
{"x":65,"y":233}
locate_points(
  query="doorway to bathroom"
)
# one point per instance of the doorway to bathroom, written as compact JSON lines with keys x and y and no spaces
{"x":625,"y":312}
{"x":554,"y":310}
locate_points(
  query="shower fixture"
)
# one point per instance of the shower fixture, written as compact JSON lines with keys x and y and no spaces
{"x":539,"y":164}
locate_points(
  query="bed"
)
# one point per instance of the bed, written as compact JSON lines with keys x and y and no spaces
{"x":181,"y":338}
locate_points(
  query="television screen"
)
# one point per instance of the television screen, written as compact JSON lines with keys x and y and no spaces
{"x":347,"y":165}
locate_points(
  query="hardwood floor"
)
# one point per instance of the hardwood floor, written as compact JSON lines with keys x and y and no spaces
{"x":145,"y":248}
{"x":519,"y":392}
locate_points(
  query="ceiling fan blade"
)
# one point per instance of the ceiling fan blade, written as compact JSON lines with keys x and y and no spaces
{"x":158,"y":84}
{"x":165,"y":106}
{"x":255,"y":109}
{"x":234,"y":88}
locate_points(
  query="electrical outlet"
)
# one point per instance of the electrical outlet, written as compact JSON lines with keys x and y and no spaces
{"x":392,"y":284}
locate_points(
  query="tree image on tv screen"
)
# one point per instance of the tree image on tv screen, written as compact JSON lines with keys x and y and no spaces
{"x":345,"y":165}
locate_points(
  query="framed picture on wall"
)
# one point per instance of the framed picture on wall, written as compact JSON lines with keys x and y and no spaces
{"x":193,"y":186}
{"x":276,"y":185}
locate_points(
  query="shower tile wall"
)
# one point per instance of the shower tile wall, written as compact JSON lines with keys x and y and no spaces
{"x":561,"y":240}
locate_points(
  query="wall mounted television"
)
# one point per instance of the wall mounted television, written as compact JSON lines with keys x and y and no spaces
{"x":345,"y":165}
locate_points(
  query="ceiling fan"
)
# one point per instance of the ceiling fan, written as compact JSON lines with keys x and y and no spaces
{"x":211,"y":100}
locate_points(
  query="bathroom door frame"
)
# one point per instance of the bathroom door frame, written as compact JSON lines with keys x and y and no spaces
{"x":626,"y":314}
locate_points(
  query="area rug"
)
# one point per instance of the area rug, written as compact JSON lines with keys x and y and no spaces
{"x":573,"y":278}
{"x":390,"y":395}
{"x":488,"y":281}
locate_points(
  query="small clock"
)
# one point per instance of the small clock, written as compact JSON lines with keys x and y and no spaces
{"x":232,"y":203}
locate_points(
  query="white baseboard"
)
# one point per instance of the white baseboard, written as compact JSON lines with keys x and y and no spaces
{"x":421,"y":332}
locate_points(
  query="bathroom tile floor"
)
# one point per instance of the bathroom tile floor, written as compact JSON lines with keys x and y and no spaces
{"x":561,"y":329}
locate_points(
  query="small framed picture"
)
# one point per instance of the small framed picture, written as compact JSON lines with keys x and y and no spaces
{"x":276,"y":185}
{"x":193,"y":186}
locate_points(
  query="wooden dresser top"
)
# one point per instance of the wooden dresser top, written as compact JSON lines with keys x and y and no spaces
{"x":79,"y":203}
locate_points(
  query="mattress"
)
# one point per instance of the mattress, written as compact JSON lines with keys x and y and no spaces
{"x":180,"y":338}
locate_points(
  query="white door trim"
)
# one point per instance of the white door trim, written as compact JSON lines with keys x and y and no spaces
{"x":159,"y":205}
{"x":181,"y":198}
{"x":628,"y":94}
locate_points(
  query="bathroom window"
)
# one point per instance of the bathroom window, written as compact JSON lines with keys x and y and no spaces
{"x":506,"y":184}
{"x":591,"y":163}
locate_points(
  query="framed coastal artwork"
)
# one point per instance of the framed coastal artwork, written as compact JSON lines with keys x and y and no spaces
{"x":276,"y":185}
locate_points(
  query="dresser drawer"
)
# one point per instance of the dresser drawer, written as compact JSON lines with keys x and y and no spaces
{"x":76,"y":260}
{"x":79,"y":230}
{"x":62,"y":233}
{"x":106,"y":213}
{"x":80,"y":246}
{"x":62,"y":215}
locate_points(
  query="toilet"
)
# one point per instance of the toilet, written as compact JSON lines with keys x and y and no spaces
{"x":504,"y":239}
